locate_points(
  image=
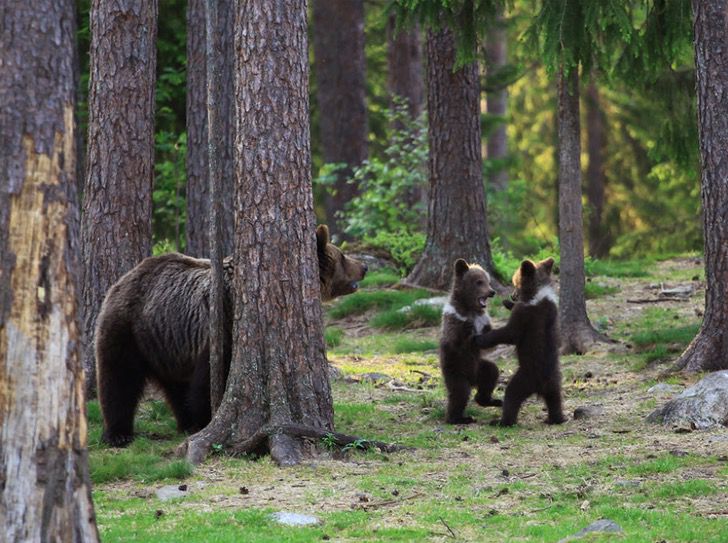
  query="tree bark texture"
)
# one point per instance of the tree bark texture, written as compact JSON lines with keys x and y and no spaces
{"x":709,"y":350}
{"x":497,"y":104}
{"x":197,"y":193}
{"x":213,"y":48}
{"x":456,"y":222}
{"x":596,"y":122}
{"x":46,"y":493}
{"x":338,"y":44}
{"x":117,"y":206}
{"x":404,"y":59}
{"x":576,"y":331}
{"x":278,"y":373}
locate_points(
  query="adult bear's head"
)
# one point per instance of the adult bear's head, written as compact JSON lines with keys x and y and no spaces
{"x":339,"y":274}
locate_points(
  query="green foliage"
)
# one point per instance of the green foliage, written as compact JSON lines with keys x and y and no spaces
{"x":655,"y":339}
{"x":389,"y":186}
{"x":568,"y":34}
{"x":169,"y":186}
{"x":411,"y":345}
{"x":617,"y":268}
{"x":467,"y":19}
{"x":506,"y":263}
{"x":404,"y":248}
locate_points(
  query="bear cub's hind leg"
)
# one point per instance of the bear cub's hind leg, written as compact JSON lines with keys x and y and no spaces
{"x":487,"y":379}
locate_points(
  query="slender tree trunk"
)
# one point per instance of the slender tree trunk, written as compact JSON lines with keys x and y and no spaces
{"x":456,"y":222}
{"x":709,"y":350}
{"x":198,"y":186}
{"x":576,"y":331}
{"x":338,"y":44}
{"x":404,"y":59}
{"x":599,"y":238}
{"x":117,"y":207}
{"x":278,"y":373}
{"x":497,"y":104}
{"x":46,"y":491}
{"x":214,"y":54}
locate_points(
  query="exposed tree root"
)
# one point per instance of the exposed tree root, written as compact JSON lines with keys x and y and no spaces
{"x":579,"y":338}
{"x":707,"y":352}
{"x":281,"y":443}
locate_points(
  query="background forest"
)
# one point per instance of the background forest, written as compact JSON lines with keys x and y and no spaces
{"x":639,"y":135}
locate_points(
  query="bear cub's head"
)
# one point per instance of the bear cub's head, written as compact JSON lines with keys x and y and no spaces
{"x":470,"y":288}
{"x":339,"y":273}
{"x":532,"y":281}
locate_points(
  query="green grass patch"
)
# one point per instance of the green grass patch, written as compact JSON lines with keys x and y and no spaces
{"x":416,"y":316}
{"x":413,"y":345}
{"x":360,"y":302}
{"x":333,"y":336}
{"x":594,"y":290}
{"x":693,"y":488}
{"x":618,"y":268}
{"x":385,"y":277}
{"x":147,"y":458}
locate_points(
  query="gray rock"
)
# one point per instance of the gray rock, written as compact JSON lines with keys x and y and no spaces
{"x":335,"y":374}
{"x":603,"y":525}
{"x":703,"y":405}
{"x":294,"y":519}
{"x":663,"y":388}
{"x":375,"y":377}
{"x":627,"y":483}
{"x":588,"y":411}
{"x":170,"y":492}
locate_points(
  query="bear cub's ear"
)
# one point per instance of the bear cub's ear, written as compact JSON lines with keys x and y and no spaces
{"x":322,"y":235}
{"x":547,"y":265}
{"x":528,"y":268}
{"x":461,"y":267}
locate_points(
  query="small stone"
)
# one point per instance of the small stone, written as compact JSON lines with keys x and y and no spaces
{"x":376,"y":377}
{"x":494,"y":439}
{"x":663,"y":388}
{"x":602,"y":526}
{"x":294,"y":519}
{"x":678,"y":453}
{"x":244,"y":490}
{"x":627,"y":483}
{"x":588,"y":411}
{"x":158,"y":513}
{"x":170,"y":492}
{"x":183,"y":488}
{"x":395,"y":492}
{"x":588,"y":375}
{"x":363,"y":497}
{"x":505,"y":473}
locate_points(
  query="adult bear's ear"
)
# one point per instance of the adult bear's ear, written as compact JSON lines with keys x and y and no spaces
{"x":461,"y":267}
{"x":322,"y":236}
{"x":528,"y":268}
{"x":547,"y":264}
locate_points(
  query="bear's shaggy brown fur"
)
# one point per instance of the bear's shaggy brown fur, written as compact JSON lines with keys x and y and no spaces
{"x":463,"y":317}
{"x":533,"y":329}
{"x":153,"y":326}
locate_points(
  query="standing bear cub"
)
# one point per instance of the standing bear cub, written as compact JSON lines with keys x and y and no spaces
{"x":533,"y":329}
{"x":154,"y":326}
{"x":463,"y":317}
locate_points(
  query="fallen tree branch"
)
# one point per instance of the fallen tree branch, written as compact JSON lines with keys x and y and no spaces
{"x":385,"y":503}
{"x":656,"y":300}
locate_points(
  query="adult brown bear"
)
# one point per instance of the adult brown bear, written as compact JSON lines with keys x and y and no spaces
{"x":153,"y":326}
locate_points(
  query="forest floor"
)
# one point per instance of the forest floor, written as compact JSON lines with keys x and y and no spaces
{"x":533,"y":482}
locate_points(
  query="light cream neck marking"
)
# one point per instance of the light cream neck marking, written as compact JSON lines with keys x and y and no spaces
{"x":544,"y":293}
{"x":479,"y":322}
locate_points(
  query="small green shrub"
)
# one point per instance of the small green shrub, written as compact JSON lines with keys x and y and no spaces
{"x":360,"y":302}
{"x":386,"y":277}
{"x":333,"y":336}
{"x":417,"y":316}
{"x":617,"y":268}
{"x":412,"y":345}
{"x":594,"y":290}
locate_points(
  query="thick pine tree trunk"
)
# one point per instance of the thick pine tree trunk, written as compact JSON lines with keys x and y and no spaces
{"x":404,"y":60}
{"x":577,"y":333}
{"x":497,"y":103}
{"x":456,"y":222}
{"x":197,"y":193}
{"x":46,"y":493}
{"x":599,"y":238}
{"x":338,"y":44}
{"x":117,"y":206}
{"x":709,"y":350}
{"x":278,"y":373}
